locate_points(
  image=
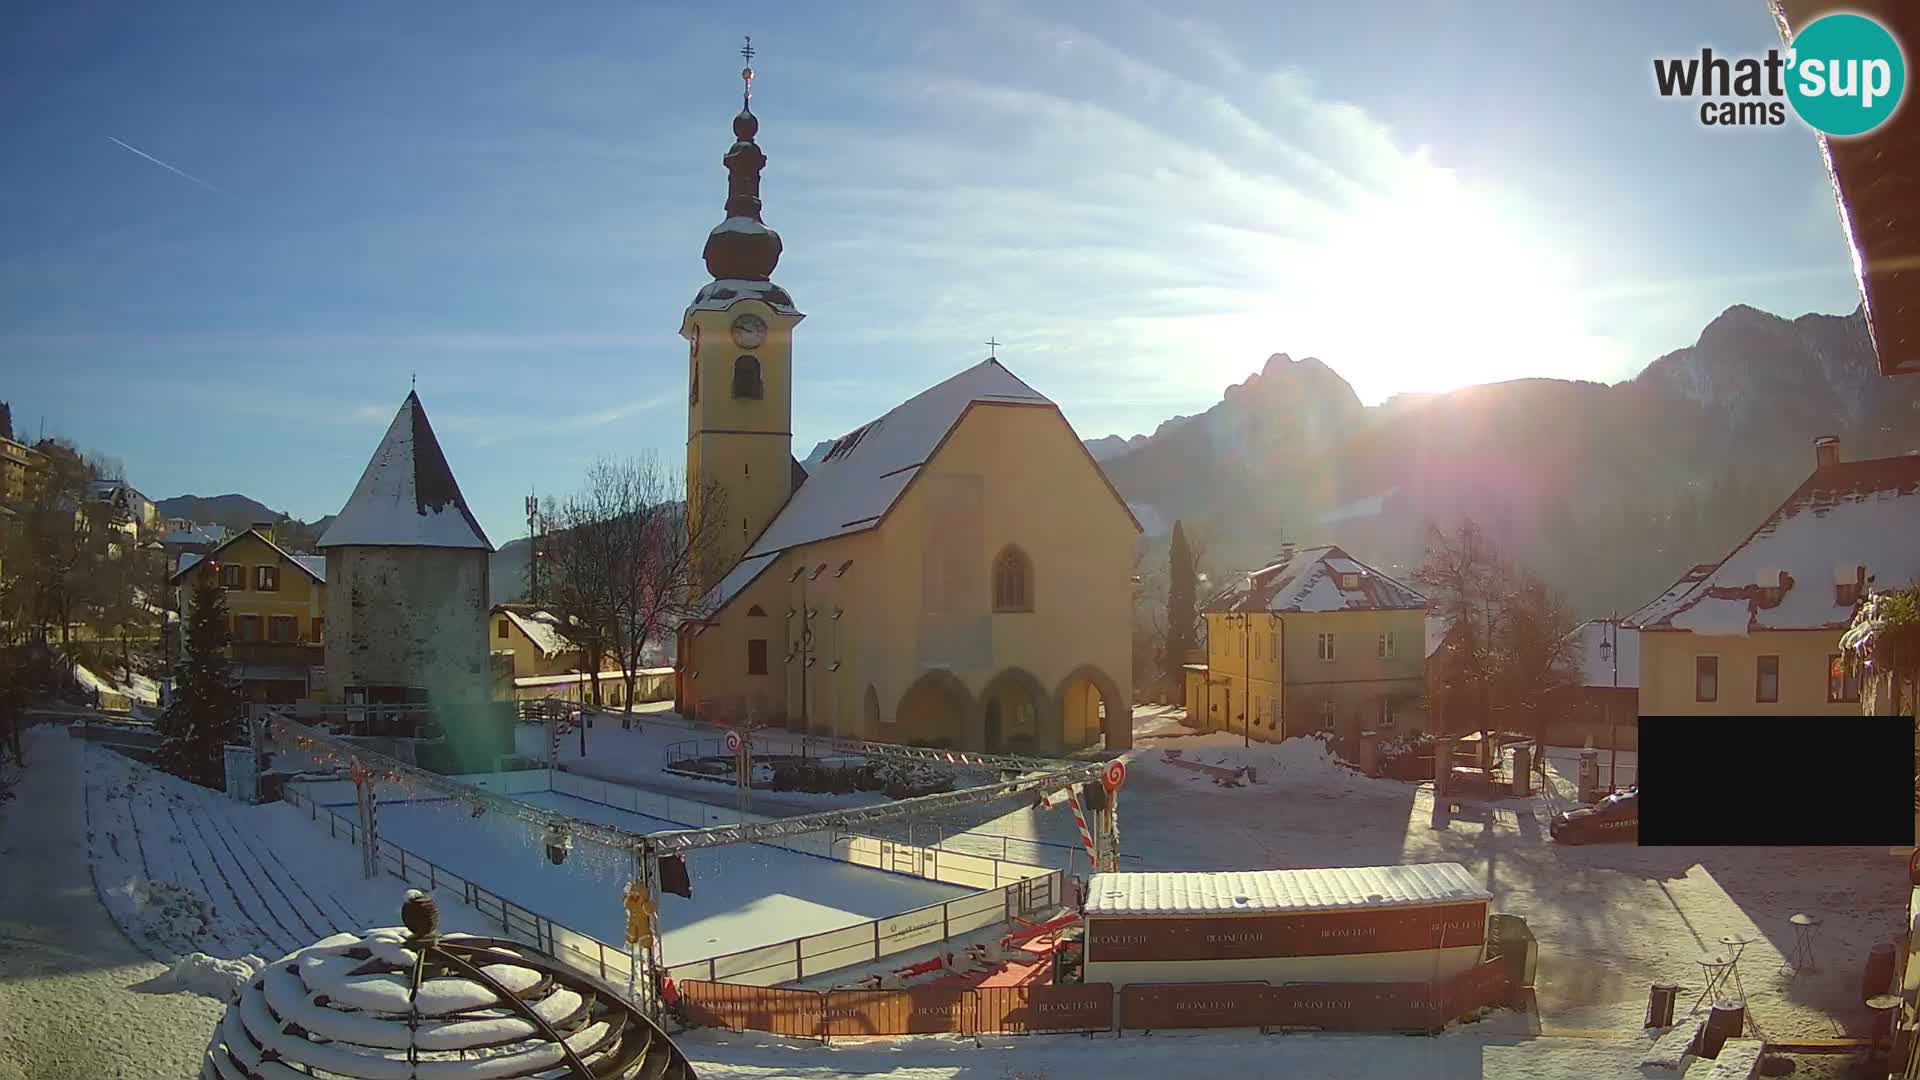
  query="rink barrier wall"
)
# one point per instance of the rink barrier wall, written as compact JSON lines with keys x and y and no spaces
{"x":1015,"y":890}
{"x":1018,"y":1010}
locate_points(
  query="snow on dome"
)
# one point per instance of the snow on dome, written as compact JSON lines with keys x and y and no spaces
{"x":408,"y":496}
{"x":1325,"y":889}
{"x":400,"y":1004}
{"x":723,"y":293}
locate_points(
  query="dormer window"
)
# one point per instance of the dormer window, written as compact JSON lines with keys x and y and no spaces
{"x":1846,"y":594}
{"x":1349,"y":581}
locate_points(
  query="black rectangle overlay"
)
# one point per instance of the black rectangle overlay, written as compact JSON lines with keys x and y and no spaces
{"x":1788,"y":781}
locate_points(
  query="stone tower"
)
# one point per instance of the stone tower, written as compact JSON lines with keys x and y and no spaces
{"x":739,"y":331}
{"x":407,"y":600}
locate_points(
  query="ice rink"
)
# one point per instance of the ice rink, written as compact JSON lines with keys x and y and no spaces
{"x":744,"y":895}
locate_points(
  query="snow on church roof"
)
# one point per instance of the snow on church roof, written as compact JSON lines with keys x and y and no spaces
{"x":857,"y":482}
{"x":1846,"y":516}
{"x":408,"y":496}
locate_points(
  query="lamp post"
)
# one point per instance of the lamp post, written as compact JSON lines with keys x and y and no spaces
{"x":1246,"y":667}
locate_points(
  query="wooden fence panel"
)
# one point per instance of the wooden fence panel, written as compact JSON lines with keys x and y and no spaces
{"x":1019,"y":1010}
{"x":919,"y":1011}
{"x":1194,"y":1005}
{"x":753,"y":1008}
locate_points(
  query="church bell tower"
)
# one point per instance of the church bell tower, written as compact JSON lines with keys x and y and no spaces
{"x":739,"y":331}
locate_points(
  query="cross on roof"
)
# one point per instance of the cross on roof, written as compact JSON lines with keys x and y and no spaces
{"x":993,"y":349}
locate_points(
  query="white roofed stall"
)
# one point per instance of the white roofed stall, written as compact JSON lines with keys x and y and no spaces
{"x":1324,"y":925}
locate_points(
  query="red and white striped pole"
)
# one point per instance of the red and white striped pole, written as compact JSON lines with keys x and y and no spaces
{"x":1086,"y":835}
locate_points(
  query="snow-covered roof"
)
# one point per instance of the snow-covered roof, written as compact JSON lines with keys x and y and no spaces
{"x":199,"y":534}
{"x":1437,"y":628}
{"x":1269,"y":891}
{"x":861,"y":476}
{"x":742,"y":575}
{"x":1846,"y":516}
{"x":542,"y":628}
{"x":408,"y":496}
{"x":1309,"y":581}
{"x":1597,"y":664}
{"x":315,"y":566}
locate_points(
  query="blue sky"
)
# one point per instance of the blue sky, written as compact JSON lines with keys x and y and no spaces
{"x":1141,"y":202}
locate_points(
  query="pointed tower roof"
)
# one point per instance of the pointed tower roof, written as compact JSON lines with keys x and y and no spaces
{"x":741,"y":251}
{"x":408,"y":496}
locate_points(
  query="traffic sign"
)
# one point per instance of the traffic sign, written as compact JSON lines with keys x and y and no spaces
{"x":733,"y":742}
{"x":1114,"y":775}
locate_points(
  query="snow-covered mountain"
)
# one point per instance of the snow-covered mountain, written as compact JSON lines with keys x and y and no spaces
{"x":1111,"y":446}
{"x":1608,"y":489}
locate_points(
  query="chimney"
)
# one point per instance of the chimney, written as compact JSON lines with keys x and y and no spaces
{"x":1826,"y":451}
{"x":1286,"y":553}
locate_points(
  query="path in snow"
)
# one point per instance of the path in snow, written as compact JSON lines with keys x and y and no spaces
{"x":185,"y":869}
{"x":65,"y":968}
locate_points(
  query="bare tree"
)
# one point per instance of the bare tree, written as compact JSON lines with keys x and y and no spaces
{"x":1509,"y":645}
{"x":641,"y":548}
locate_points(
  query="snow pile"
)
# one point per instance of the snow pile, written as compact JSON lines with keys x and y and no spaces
{"x":207,"y":976}
{"x":160,"y":912}
{"x":1302,"y":763}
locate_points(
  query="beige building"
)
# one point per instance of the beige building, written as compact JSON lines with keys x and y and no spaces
{"x":276,"y":612}
{"x":1317,"y":641}
{"x":1759,"y":631}
{"x":20,"y":467}
{"x":956,"y":572}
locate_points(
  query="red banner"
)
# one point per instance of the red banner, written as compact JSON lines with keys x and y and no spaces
{"x":1114,"y":939}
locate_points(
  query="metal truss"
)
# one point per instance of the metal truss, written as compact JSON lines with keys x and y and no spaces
{"x":1041,"y":776}
{"x":1060,"y":774}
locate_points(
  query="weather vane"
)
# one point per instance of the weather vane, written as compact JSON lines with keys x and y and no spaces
{"x":746,"y":73}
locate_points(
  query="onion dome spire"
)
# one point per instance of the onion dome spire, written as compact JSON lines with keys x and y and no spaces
{"x":742,"y":247}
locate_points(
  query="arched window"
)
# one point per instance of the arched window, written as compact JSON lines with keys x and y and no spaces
{"x":757,"y":610}
{"x":746,"y":377}
{"x":1012,"y":580}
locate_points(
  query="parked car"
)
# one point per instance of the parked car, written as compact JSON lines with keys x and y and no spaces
{"x":1614,"y":818}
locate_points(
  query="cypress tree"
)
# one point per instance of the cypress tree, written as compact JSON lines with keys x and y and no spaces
{"x":204,"y":712}
{"x":1180,"y":604}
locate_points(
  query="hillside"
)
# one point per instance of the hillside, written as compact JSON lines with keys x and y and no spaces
{"x":1611,"y":491}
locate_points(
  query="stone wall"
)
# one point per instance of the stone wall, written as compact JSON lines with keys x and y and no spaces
{"x":407,"y":617}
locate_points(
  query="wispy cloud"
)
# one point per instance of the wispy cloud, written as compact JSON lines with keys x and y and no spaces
{"x":177,"y":171}
{"x":217,"y":341}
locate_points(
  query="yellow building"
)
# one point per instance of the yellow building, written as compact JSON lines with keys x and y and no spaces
{"x":1759,"y":631}
{"x":275,"y":612}
{"x":1317,"y":641}
{"x":526,"y":640}
{"x":956,"y":572}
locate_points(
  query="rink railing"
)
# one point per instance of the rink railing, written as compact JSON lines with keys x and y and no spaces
{"x":1006,"y":890}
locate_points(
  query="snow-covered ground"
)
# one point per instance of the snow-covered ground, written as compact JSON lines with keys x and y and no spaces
{"x":187,"y":870}
{"x":743,"y":895}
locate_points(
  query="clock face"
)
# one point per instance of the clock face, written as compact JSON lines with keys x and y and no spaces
{"x":749,"y":331}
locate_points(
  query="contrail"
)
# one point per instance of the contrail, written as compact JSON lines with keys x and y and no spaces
{"x":164,"y":165}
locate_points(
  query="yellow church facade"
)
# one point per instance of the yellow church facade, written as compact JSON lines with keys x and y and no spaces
{"x":955,"y":573}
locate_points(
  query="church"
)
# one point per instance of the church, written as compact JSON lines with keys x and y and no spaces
{"x":956,"y":573}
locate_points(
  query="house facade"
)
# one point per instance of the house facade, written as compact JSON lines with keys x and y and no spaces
{"x":956,"y":572}
{"x":1759,"y":632}
{"x":1316,"y":641}
{"x":276,"y":612}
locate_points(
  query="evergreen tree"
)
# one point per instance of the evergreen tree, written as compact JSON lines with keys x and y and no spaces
{"x":1180,"y":604}
{"x":204,"y":712}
